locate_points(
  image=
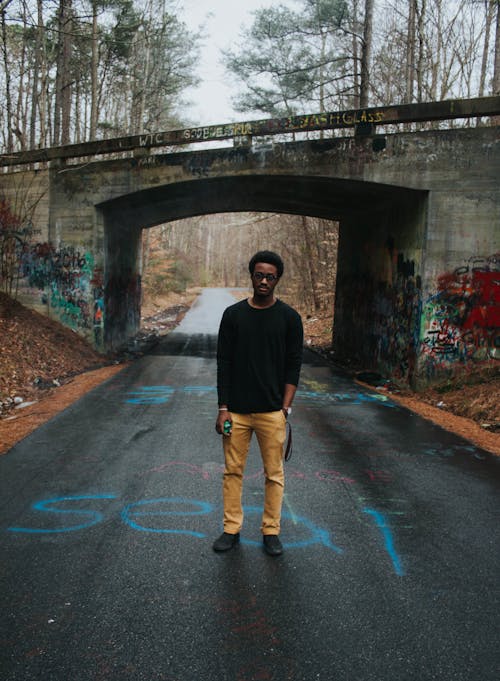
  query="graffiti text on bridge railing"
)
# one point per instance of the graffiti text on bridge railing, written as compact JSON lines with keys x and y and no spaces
{"x":361,"y":120}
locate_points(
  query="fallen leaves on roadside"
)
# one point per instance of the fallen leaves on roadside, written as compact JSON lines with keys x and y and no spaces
{"x":37,"y":353}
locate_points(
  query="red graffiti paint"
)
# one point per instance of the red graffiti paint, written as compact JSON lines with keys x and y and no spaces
{"x":485,"y":312}
{"x":464,"y":316}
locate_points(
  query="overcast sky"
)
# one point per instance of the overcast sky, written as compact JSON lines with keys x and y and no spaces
{"x":212,"y":98}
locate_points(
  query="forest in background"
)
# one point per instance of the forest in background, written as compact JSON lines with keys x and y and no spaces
{"x":78,"y":70}
{"x":214,"y":250}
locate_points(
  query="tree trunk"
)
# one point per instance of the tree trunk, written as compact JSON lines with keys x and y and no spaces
{"x":410,"y":52}
{"x":438,"y":58}
{"x":93,"y":74}
{"x":43,"y":111}
{"x":312,"y":260}
{"x":66,"y":85}
{"x":366,"y":54}
{"x":496,"y":68}
{"x":37,"y":69}
{"x":79,"y":133}
{"x":421,"y":43}
{"x":8,"y":96}
{"x":486,"y":47}
{"x":355,"y":53}
{"x":19,"y":127}
{"x":62,"y":108}
{"x":322,"y":79}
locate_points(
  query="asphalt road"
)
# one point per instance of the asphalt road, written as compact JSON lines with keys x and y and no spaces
{"x":108,"y":513}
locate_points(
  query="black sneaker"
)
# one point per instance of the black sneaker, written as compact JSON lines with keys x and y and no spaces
{"x":226,"y":541}
{"x":272,"y":545}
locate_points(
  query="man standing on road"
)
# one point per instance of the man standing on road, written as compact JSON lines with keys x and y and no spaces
{"x":259,"y":356}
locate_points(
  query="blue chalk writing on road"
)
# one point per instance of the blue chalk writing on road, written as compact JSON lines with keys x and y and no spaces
{"x":344,"y":398}
{"x":137,"y":515}
{"x":151,"y":394}
{"x":161,"y":394}
{"x":134,"y":515}
{"x":94,"y":517}
{"x":381,"y":523}
{"x":128,"y":514}
{"x":318,"y":535}
{"x":201,"y":389}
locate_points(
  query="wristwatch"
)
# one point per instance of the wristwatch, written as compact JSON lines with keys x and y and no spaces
{"x":287,"y":410}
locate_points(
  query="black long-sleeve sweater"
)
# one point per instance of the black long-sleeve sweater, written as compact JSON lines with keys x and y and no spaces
{"x":259,"y":350}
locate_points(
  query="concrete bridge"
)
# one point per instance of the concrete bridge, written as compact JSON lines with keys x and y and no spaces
{"x":418,"y":284}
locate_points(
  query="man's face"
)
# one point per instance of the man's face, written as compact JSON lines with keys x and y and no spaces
{"x":262,"y":286}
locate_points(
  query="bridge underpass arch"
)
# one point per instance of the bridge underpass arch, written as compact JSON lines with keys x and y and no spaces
{"x":381,"y":246}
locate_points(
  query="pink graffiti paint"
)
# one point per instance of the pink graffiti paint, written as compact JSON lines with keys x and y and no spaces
{"x":333,"y":476}
{"x":190,"y":468}
{"x":379,"y":475}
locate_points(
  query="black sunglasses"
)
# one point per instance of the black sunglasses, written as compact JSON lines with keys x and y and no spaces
{"x":260,"y":276}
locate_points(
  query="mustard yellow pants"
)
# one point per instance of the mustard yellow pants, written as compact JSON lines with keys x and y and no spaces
{"x":270,"y":430}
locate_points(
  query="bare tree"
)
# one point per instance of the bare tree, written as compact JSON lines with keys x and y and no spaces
{"x":410,"y":51}
{"x":8,"y":93}
{"x":37,"y":72}
{"x":496,"y":68}
{"x":366,"y":54}
{"x":62,"y":107}
{"x":94,"y":88}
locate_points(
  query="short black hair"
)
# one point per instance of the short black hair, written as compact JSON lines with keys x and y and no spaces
{"x":268,"y":257}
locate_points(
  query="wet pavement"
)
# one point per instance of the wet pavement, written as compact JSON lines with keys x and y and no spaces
{"x":108,"y":513}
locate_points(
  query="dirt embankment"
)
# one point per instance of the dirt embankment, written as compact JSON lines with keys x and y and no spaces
{"x":45,"y":367}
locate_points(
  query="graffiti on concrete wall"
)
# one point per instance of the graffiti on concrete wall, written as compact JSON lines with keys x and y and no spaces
{"x":69,"y":281}
{"x":397,"y":312}
{"x":458,"y":324}
{"x":381,"y":310}
{"x":461,"y":320}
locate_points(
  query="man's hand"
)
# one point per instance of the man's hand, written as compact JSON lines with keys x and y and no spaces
{"x":219,"y":424}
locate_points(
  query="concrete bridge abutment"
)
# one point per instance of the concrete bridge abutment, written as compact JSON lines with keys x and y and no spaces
{"x":379,"y":285}
{"x":122,"y":279}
